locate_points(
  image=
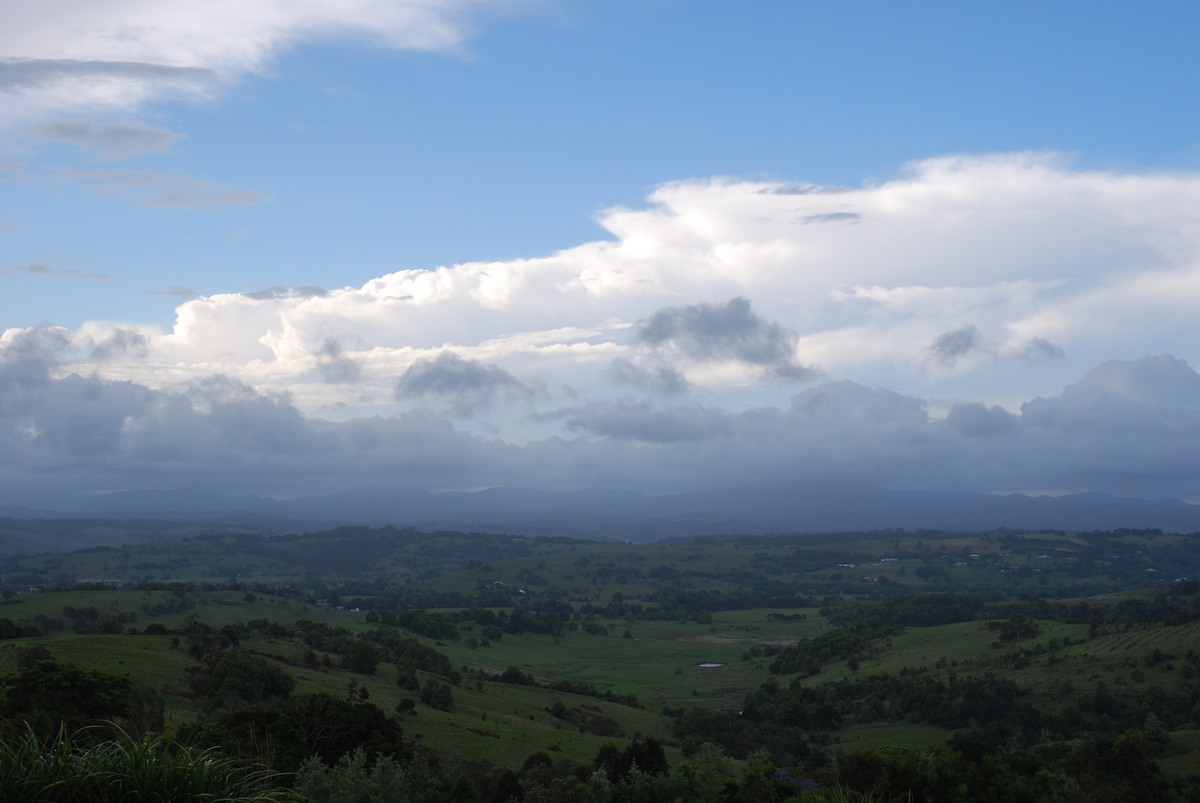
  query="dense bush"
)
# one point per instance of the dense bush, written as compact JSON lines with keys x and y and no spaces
{"x":34,"y":769}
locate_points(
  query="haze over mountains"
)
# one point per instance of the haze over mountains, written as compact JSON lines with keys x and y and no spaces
{"x":600,"y":513}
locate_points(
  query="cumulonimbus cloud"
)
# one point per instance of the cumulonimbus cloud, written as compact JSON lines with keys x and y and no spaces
{"x":657,"y":353}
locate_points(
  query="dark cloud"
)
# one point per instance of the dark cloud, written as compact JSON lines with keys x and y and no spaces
{"x":1161,"y":383}
{"x":661,"y":379}
{"x":837,"y":406}
{"x":175,"y":292}
{"x":334,"y":366}
{"x":467,"y":385}
{"x":282,"y":293}
{"x":643,"y":421}
{"x":720,"y":332}
{"x":28,"y":354}
{"x":163,"y":191}
{"x":211,"y":391}
{"x":80,"y":434}
{"x":121,"y":343}
{"x":980,"y":421}
{"x":829,"y":217}
{"x":1128,"y":427}
{"x":800,"y":189}
{"x":38,"y":269}
{"x":1130,"y":424}
{"x":109,"y":141}
{"x":1039,"y":349}
{"x":952,"y":345}
{"x":24,"y":74}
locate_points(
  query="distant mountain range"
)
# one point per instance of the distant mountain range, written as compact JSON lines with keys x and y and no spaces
{"x":609,"y":514}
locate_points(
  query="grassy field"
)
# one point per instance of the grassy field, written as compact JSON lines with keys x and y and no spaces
{"x":711,"y":661}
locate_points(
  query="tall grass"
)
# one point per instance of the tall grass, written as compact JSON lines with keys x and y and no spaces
{"x":150,"y":769}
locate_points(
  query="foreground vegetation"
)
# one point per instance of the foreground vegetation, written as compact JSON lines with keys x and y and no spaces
{"x":384,"y":664}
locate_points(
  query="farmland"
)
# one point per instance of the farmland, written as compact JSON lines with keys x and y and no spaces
{"x":483,"y":652}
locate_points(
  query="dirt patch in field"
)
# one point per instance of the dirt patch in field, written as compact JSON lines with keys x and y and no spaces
{"x":710,"y":639}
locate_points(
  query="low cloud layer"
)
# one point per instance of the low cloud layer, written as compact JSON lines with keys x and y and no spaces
{"x":1126,"y":427}
{"x":976,"y":323}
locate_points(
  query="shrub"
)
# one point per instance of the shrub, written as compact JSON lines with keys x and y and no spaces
{"x":151,"y":768}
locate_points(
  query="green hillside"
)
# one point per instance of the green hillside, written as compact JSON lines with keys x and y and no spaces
{"x":531,"y":665}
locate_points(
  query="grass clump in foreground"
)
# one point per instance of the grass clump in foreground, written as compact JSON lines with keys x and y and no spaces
{"x":152,"y":768}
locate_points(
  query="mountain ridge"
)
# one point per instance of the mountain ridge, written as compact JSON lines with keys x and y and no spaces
{"x":808,"y":507}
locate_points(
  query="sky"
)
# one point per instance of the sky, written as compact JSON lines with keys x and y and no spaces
{"x":292,"y":247}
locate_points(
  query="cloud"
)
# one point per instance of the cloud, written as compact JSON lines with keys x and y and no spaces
{"x":26,"y":74}
{"x":950,"y":346}
{"x":38,"y":269}
{"x":978,"y":420}
{"x":656,"y":378}
{"x":829,"y":217}
{"x":109,"y":141}
{"x":643,"y":421}
{"x":164,"y":191}
{"x":1162,"y":383}
{"x":468,"y":385}
{"x":334,"y":366}
{"x":1127,"y":426}
{"x":37,"y":87}
{"x":175,"y":292}
{"x":28,"y":354}
{"x":284,"y":292}
{"x":1040,"y":349}
{"x":995,"y":241}
{"x":572,"y":368}
{"x":12,"y":171}
{"x":121,"y":343}
{"x":706,"y":332}
{"x":66,"y":55}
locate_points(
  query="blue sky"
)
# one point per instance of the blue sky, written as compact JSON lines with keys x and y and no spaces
{"x":574,"y":234}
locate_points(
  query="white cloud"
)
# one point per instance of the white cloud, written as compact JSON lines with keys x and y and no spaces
{"x":950,"y":248}
{"x":61,"y":56}
{"x":948,"y":316}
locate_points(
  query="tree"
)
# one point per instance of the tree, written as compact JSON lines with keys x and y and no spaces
{"x":356,"y":779}
{"x":49,"y":695}
{"x":437,"y":695}
{"x":235,"y":678}
{"x":406,"y":675}
{"x":360,"y":656}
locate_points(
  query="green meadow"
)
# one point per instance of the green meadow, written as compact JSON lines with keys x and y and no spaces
{"x":654,"y":641}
